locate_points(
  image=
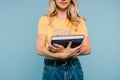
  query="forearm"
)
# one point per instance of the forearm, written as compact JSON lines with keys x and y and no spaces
{"x":85,"y":51}
{"x":46,"y":53}
{"x":85,"y":47}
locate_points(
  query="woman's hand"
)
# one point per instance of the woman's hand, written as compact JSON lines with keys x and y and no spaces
{"x":56,"y":48}
{"x":68,"y":52}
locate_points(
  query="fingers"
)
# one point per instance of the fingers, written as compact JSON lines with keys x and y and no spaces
{"x":78,"y":54}
{"x":75,"y":52}
{"x":58,"y":46}
{"x":77,"y":48}
{"x":51,"y":46}
{"x":69,"y":45}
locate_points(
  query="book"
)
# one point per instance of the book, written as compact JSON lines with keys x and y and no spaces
{"x":65,"y":39}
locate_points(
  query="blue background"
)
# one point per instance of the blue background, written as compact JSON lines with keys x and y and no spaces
{"x":18,"y":31}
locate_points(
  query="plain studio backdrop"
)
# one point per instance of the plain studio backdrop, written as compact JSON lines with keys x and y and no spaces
{"x":18,"y":31}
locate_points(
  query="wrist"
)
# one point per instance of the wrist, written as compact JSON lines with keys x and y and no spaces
{"x":61,"y":55}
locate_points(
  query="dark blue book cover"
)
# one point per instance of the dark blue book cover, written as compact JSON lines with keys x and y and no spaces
{"x":64,"y":40}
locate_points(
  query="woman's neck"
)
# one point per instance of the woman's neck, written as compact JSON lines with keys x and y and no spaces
{"x":62,"y":14}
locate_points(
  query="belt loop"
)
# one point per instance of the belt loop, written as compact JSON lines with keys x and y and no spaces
{"x":55,"y":63}
{"x":66,"y":62}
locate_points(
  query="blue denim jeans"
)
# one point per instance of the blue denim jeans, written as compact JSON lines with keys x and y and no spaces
{"x":70,"y":70}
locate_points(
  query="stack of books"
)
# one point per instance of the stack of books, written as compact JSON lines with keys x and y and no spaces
{"x":65,"y":39}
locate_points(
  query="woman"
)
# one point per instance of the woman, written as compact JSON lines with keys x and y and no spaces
{"x":62,"y":19}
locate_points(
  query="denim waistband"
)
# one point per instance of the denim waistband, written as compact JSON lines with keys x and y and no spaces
{"x":59,"y":61}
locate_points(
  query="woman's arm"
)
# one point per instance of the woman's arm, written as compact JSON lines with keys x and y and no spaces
{"x":85,"y":46}
{"x":40,"y":46}
{"x":43,"y":51}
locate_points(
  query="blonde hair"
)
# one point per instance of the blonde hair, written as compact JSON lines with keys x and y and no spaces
{"x":72,"y":13}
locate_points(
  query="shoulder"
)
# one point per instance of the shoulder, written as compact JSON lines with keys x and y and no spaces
{"x":44,"y":18}
{"x":82,"y":24}
{"x":83,"y":21}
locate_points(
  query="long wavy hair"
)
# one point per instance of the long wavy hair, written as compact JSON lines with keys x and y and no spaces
{"x":72,"y":12}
